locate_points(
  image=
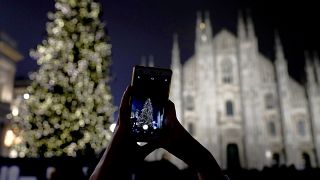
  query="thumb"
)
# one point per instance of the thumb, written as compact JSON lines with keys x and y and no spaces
{"x":124,"y":113}
{"x":170,"y":114}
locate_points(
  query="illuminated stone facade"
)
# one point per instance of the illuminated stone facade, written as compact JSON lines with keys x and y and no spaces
{"x":245,"y":108}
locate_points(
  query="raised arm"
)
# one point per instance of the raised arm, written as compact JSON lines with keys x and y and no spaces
{"x":181,"y":144}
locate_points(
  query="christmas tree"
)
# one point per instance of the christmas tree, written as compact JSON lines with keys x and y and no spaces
{"x":70,"y":101}
{"x":146,"y":115}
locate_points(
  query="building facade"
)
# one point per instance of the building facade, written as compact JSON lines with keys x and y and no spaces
{"x":9,"y":56}
{"x":243,"y":107}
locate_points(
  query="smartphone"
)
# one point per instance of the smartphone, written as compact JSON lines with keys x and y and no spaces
{"x":150,"y":92}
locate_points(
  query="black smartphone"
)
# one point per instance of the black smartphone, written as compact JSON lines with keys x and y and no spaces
{"x":150,"y":92}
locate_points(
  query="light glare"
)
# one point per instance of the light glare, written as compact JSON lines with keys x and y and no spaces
{"x":112,"y":127}
{"x":268,"y":154}
{"x":26,"y":96}
{"x":15,"y":111}
{"x":9,"y":138}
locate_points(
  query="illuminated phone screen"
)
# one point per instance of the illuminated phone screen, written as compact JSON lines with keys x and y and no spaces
{"x":150,"y":95}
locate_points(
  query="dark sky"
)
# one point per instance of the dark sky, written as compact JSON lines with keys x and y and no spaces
{"x":145,"y":27}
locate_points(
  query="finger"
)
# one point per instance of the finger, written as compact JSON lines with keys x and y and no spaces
{"x":170,"y":114}
{"x":171,"y":107}
{"x":145,"y":150}
{"x":125,"y":104}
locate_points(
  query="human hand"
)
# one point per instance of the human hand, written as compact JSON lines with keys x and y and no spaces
{"x":179,"y":142}
{"x":173,"y":132}
{"x":123,"y":153}
{"x":123,"y":131}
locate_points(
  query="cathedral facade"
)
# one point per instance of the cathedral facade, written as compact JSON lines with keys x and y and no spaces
{"x":243,"y":107}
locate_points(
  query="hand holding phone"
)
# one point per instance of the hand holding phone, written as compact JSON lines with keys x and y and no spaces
{"x":150,"y":94}
{"x":124,"y":155}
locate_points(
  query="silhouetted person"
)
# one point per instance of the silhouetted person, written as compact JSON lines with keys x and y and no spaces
{"x":124,"y":156}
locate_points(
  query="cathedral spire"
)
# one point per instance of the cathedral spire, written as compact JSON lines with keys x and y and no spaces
{"x":199,"y":18}
{"x":309,"y":68}
{"x":175,"y":52}
{"x":208,"y":28}
{"x":241,"y":26}
{"x":317,"y":65}
{"x":203,"y":31}
{"x":151,"y":61}
{"x":199,"y":27}
{"x":176,"y":81}
{"x":279,"y":54}
{"x":143,"y":61}
{"x":251,"y":32}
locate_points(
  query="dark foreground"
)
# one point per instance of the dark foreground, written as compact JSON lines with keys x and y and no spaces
{"x":81,"y":168}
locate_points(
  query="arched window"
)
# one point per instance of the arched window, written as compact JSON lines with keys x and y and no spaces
{"x":226,"y":67}
{"x":272,"y":128}
{"x":269,"y":101}
{"x":275,"y":160}
{"x":191,"y":128}
{"x":189,"y":102}
{"x":229,"y":108}
{"x":306,"y":159}
{"x":233,"y":159}
{"x":301,"y":128}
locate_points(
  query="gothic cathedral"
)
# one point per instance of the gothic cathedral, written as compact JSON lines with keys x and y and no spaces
{"x":240,"y":105}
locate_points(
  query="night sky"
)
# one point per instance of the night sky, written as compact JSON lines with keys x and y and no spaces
{"x":145,"y":27}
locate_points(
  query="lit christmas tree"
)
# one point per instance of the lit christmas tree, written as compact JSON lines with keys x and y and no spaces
{"x":146,"y":115}
{"x":70,"y":101}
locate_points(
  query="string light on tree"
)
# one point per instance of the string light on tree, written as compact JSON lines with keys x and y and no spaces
{"x":69,"y":103}
{"x":15,"y":111}
{"x":26,"y":96}
{"x":112,"y":127}
{"x":146,"y":116}
{"x":145,"y":127}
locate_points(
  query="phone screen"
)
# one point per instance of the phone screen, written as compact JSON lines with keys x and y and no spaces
{"x":150,"y":95}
